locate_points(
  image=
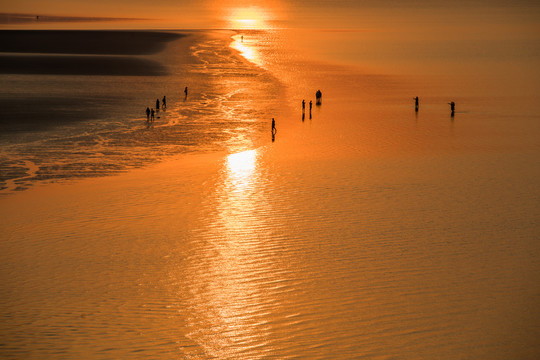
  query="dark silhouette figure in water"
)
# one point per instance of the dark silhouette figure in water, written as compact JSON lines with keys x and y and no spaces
{"x":318,"y":97}
{"x":274,"y":130}
{"x":157,"y":104}
{"x":164,"y":103}
{"x":152,"y":113}
{"x":416,"y":103}
{"x":185,"y":91}
{"x":147,"y":114}
{"x":303,"y":105}
{"x":310,"y":106}
{"x":452,"y":107}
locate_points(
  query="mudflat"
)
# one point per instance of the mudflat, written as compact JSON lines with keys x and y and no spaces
{"x":97,"y":42}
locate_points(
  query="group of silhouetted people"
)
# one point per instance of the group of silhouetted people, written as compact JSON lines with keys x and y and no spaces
{"x":452,"y":106}
{"x":151,"y":113}
{"x":318,"y":101}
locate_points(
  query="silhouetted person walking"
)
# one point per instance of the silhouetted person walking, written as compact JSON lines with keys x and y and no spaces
{"x":147,"y":114}
{"x":303,"y":105}
{"x":452,"y":107}
{"x":157,"y":104}
{"x":186,"y":91}
{"x":164,"y":103}
{"x":152,"y":113}
{"x":274,"y":130}
{"x":416,"y":103}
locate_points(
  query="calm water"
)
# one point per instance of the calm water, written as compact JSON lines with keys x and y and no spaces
{"x":366,"y":231}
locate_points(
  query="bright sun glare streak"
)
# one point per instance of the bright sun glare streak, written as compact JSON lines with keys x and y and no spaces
{"x":249,"y":18}
{"x":247,"y":51}
{"x":241,"y":166}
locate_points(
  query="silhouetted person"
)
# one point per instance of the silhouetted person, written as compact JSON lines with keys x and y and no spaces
{"x":152,"y":113}
{"x":147,"y":114}
{"x":416,"y":103}
{"x":318,"y":97}
{"x":185,"y":91}
{"x":274,"y":130}
{"x":303,"y":105}
{"x":164,"y":103}
{"x":310,"y":105}
{"x":452,"y":107}
{"x":157,"y":104}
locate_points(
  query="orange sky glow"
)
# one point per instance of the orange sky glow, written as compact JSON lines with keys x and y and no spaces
{"x":256,"y":14}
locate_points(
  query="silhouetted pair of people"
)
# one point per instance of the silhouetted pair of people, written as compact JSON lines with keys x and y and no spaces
{"x":163,"y":103}
{"x":452,"y":105}
{"x":150,"y":114}
{"x":304,"y":108}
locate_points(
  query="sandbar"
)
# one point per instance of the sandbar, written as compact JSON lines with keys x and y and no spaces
{"x":96,"y":42}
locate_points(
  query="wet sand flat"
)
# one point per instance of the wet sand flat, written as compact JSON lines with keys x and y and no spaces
{"x":84,"y":41}
{"x":80,"y":65}
{"x":77,"y":52}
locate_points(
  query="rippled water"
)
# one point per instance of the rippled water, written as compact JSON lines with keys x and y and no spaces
{"x":366,"y":231}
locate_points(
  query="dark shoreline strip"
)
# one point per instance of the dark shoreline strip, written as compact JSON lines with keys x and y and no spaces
{"x":94,"y":42}
{"x":18,"y":18}
{"x":80,"y":65}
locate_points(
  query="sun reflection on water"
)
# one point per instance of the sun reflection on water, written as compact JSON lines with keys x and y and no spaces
{"x":247,"y":50}
{"x":241,"y":167}
{"x":232,"y":301}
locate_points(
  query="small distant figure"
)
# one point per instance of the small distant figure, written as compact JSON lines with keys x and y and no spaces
{"x":274,"y":130}
{"x":416,"y":103}
{"x":152,"y":114}
{"x":452,"y":107}
{"x":157,"y":104}
{"x":310,"y":105}
{"x":186,"y":91}
{"x":164,"y":103}
{"x":303,"y":105}
{"x":318,"y":97}
{"x":242,"y":38}
{"x":147,"y":114}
